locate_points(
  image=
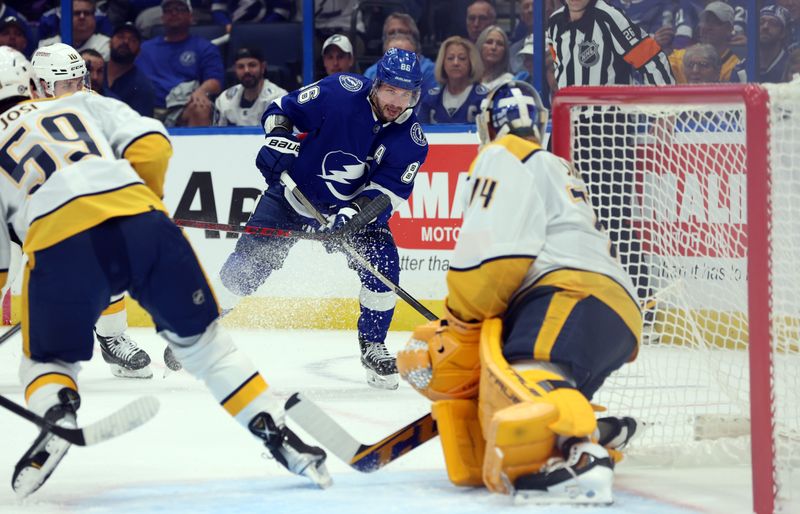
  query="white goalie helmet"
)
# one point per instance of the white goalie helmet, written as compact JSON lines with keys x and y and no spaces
{"x":15,"y":74}
{"x":54,"y":63}
{"x":513,"y":107}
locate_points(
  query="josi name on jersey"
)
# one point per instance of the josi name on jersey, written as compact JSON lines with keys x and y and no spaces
{"x":13,"y":114}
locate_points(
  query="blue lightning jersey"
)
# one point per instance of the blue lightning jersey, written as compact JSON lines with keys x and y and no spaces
{"x":432,"y":109}
{"x":348,"y":152}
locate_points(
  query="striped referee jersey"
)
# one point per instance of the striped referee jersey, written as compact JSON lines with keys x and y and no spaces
{"x":603,"y":47}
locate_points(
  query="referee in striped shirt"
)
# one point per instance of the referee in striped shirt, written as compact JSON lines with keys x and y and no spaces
{"x":595,"y":44}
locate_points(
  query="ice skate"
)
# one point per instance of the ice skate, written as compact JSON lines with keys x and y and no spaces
{"x":288,"y":449}
{"x":584,"y":477}
{"x":380,"y":366}
{"x":47,"y":450}
{"x":126,"y":359}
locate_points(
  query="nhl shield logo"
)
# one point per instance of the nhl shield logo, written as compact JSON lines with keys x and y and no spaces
{"x":588,"y":54}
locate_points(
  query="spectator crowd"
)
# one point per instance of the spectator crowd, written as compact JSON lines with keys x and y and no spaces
{"x":203,"y":62}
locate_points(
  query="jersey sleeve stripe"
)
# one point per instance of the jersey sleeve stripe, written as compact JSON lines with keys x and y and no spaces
{"x":140,"y":136}
{"x":484,"y":291}
{"x":642,"y":53}
{"x":525,"y":159}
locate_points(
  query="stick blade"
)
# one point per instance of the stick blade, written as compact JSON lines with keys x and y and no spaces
{"x":361,"y":457}
{"x":319,"y":425}
{"x":133,"y":415}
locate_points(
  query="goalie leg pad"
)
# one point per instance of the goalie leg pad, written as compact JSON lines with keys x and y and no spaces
{"x":522,"y":411}
{"x":518,"y":442}
{"x":462,"y":440}
{"x":502,"y":385}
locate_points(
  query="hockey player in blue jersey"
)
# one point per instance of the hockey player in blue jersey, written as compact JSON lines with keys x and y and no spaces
{"x":362,"y":141}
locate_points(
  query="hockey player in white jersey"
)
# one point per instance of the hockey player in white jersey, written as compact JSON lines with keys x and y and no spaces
{"x":62,"y":65}
{"x":81,"y":182}
{"x":539,"y":312}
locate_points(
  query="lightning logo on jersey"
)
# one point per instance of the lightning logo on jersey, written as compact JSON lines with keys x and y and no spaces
{"x":342,"y":173}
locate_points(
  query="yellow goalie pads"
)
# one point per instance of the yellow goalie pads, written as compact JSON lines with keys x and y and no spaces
{"x":522,"y":412}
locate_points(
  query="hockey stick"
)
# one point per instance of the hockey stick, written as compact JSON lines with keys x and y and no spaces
{"x":359,"y":456}
{"x":353,"y":253}
{"x":10,"y":333}
{"x":244,"y":229}
{"x":125,"y":419}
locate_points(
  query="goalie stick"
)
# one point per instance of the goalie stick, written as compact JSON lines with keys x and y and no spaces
{"x":124,"y":420}
{"x":362,"y":457}
{"x":352,"y":252}
{"x":613,"y":433}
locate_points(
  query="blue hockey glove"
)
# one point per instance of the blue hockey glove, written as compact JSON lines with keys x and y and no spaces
{"x":277,"y":155}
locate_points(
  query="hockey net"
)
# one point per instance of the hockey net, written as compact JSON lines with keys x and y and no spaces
{"x":699,"y":188}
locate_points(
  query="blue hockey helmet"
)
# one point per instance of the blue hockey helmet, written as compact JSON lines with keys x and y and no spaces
{"x":513,"y":107}
{"x":400,"y":68}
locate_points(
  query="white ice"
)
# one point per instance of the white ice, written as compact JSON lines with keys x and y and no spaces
{"x":193,"y":458}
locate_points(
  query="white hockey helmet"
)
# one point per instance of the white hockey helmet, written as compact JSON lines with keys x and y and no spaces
{"x":15,"y":74}
{"x":54,"y":63}
{"x":513,"y":107}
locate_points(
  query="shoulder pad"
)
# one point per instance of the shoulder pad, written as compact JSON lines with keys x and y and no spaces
{"x":351,"y":83}
{"x":417,"y":135}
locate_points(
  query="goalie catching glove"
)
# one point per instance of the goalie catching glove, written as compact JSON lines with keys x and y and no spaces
{"x":441,"y":360}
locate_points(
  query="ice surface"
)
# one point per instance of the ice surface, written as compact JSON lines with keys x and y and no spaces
{"x":193,"y":458}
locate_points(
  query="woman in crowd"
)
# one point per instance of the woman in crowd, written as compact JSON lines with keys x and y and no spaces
{"x":458,"y":70}
{"x":493,"y":45}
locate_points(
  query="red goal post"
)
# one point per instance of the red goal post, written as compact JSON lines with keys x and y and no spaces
{"x":665,"y":167}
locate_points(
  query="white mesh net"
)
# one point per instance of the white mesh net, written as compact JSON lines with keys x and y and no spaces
{"x":669,"y":183}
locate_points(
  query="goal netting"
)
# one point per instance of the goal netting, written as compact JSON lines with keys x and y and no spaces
{"x":699,"y":188}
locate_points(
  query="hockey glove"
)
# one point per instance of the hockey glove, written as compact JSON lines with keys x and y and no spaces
{"x":341,"y":218}
{"x":364,"y":209}
{"x":441,"y":360}
{"x":277,"y":155}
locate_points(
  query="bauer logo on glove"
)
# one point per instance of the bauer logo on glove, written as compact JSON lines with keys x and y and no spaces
{"x":441,"y":359}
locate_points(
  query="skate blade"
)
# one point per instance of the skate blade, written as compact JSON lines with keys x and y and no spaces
{"x":591,"y":488}
{"x":565,"y":497}
{"x":319,"y":475}
{"x":31,"y":479}
{"x":119,"y":371}
{"x":388,"y":382}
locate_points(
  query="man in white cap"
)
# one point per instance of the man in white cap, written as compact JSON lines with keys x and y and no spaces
{"x":715,"y":28}
{"x":337,"y":54}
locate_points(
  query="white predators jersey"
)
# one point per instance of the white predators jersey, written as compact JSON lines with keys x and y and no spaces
{"x":62,"y":171}
{"x":526,"y":215}
{"x":230,"y":112}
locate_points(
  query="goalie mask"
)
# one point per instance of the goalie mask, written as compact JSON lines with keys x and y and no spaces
{"x":15,"y":74}
{"x":513,"y":107}
{"x":55,"y":63}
